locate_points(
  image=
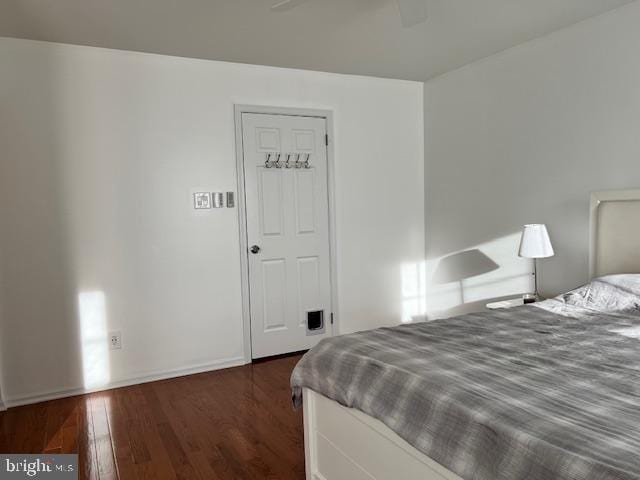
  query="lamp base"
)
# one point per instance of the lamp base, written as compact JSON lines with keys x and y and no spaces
{"x":529,"y":298}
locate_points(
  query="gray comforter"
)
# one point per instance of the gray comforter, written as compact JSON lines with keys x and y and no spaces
{"x":536,"y":392}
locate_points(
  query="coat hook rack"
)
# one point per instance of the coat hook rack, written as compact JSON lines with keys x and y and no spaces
{"x":278,"y":163}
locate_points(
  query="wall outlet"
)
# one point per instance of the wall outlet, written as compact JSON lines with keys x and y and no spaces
{"x":115,"y":340}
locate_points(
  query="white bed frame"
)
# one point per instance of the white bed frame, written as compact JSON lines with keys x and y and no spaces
{"x":345,"y":444}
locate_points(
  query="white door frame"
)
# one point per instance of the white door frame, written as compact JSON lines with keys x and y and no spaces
{"x":327,"y":115}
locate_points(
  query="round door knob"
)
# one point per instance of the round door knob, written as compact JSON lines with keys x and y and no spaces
{"x":254,"y":249}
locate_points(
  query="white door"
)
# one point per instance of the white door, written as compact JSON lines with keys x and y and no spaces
{"x":287,"y":211}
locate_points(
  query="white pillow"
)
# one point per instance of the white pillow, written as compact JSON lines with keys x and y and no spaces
{"x":612,"y":293}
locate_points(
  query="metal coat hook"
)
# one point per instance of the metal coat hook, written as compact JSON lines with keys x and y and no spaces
{"x":278,"y":155}
{"x":297,"y":164}
{"x":266,"y":162}
{"x":286,"y":164}
{"x":306,"y":162}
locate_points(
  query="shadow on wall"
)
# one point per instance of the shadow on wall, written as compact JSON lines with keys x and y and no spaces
{"x":461,"y":266}
{"x":465,"y":281}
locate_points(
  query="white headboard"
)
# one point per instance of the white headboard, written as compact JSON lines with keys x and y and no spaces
{"x":615,"y":232}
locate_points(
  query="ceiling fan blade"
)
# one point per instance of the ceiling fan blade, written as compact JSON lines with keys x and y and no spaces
{"x":412,"y":12}
{"x":284,"y":5}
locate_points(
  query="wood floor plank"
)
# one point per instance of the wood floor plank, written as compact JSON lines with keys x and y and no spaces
{"x":233,"y":424}
{"x":120,"y":440}
{"x":87,"y":458}
{"x":30,"y":429}
{"x":70,"y":428}
{"x":102,"y":438}
{"x":128,"y":412}
{"x":4,"y":437}
{"x":203,"y":467}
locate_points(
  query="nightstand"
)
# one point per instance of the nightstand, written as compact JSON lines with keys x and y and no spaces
{"x":512,"y":302}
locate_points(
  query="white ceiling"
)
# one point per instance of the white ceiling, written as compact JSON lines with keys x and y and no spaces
{"x":346,"y":36}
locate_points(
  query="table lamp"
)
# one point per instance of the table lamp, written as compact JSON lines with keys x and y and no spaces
{"x":535,"y":244}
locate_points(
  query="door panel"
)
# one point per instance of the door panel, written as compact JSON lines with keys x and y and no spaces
{"x":287,"y":211}
{"x":304,"y":201}
{"x":268,"y":139}
{"x":270,"y":197}
{"x":309,"y":292}
{"x":274,"y":293}
{"x":304,"y":140}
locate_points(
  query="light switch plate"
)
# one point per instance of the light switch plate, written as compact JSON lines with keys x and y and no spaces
{"x":217,"y":199}
{"x":230,"y":200}
{"x":201,"y":200}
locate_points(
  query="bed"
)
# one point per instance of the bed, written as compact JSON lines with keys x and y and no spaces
{"x":538,"y":392}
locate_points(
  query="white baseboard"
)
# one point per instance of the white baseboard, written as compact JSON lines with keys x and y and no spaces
{"x":145,"y":378}
{"x":2,"y":406}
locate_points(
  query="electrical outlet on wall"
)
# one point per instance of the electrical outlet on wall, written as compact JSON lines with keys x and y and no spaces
{"x":115,"y":340}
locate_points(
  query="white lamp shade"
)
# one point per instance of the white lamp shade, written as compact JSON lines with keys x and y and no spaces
{"x":535,"y":242}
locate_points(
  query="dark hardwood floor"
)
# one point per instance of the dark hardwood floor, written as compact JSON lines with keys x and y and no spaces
{"x":229,"y":424}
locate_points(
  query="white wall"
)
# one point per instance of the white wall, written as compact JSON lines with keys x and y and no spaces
{"x":524,"y":136}
{"x":100,"y":152}
{"x":2,"y":405}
